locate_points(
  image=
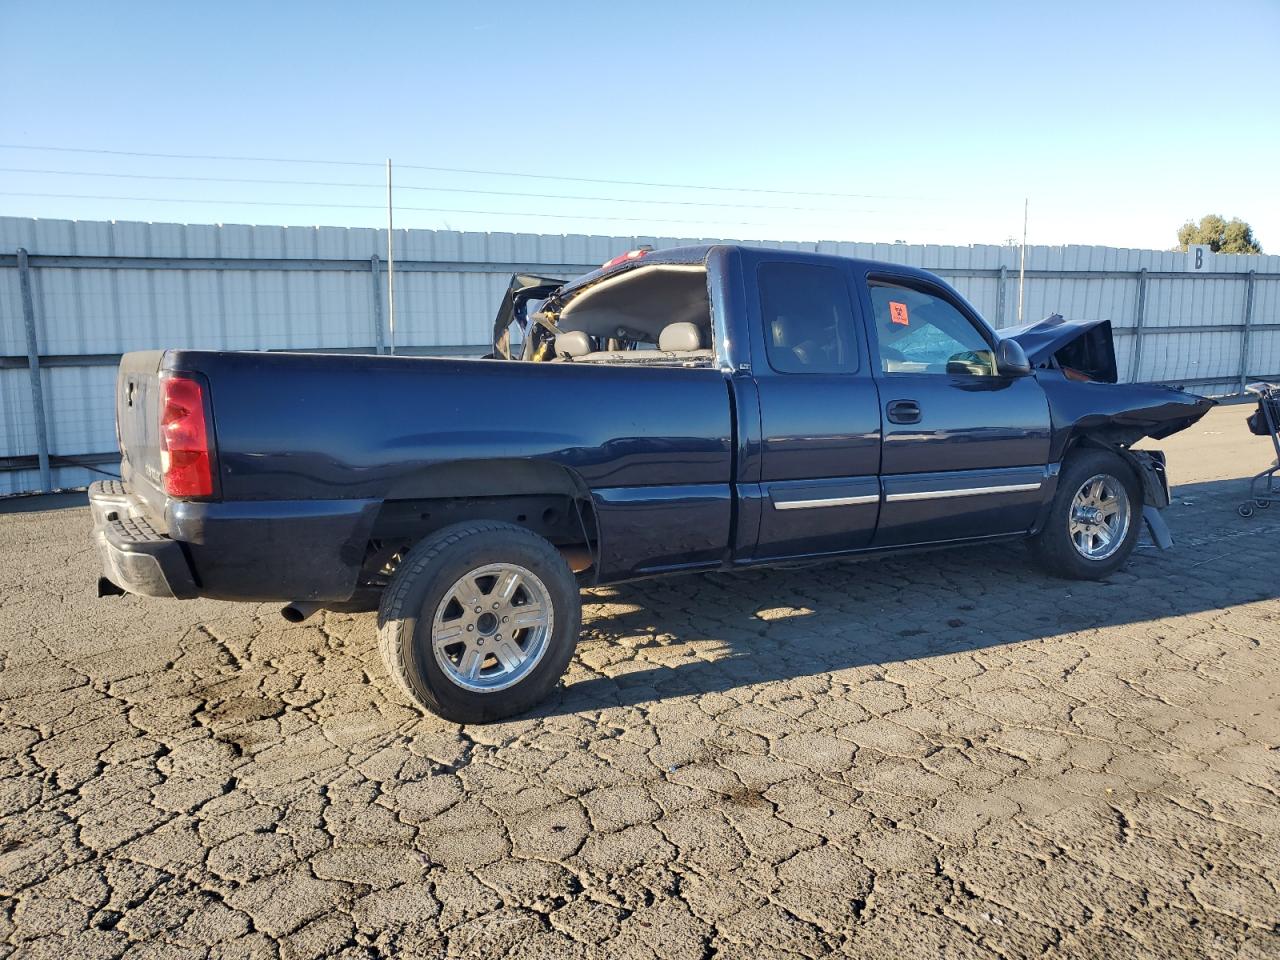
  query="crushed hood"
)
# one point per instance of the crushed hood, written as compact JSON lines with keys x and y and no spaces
{"x":1087,"y":398}
{"x":1085,"y":346}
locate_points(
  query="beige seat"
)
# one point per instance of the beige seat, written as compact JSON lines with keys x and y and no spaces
{"x":678,"y":342}
{"x":573,"y":343}
{"x":680,"y":337}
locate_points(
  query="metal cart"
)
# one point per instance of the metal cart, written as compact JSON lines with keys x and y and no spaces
{"x":1264,"y":489}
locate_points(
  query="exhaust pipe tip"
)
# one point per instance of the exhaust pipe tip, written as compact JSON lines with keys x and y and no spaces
{"x":299,"y":610}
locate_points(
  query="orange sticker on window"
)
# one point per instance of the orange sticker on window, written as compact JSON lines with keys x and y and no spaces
{"x":898,"y":313}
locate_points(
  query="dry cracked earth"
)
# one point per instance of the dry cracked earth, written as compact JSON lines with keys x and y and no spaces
{"x":943,"y":755}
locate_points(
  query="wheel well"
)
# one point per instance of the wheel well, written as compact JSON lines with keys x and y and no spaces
{"x":555,"y":517}
{"x":1102,"y":436}
{"x":543,"y":497}
{"x":1090,"y":441}
{"x":1104,"y":440}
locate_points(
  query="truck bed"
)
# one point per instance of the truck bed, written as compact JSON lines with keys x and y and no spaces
{"x":312,"y":450}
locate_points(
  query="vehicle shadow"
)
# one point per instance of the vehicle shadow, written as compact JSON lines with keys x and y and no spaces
{"x":693,"y":635}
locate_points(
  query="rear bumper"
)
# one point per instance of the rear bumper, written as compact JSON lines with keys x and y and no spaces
{"x":133,"y":555}
{"x":241,"y":550}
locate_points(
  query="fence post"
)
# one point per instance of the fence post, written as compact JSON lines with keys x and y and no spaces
{"x":1139,"y":321}
{"x":1004,"y":271}
{"x":33,"y":365}
{"x":1244,"y":334}
{"x":377,"y":303}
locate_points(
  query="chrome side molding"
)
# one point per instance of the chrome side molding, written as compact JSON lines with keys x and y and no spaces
{"x":826,"y":502}
{"x":963,"y":492}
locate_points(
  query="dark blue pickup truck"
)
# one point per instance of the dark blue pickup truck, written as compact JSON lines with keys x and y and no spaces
{"x":701,"y":408}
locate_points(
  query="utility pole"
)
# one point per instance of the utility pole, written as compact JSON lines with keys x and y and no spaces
{"x":391,"y":265}
{"x":1022,"y":266}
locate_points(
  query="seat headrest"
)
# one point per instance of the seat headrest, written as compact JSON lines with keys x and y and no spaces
{"x":809,"y":352}
{"x":782,"y":332}
{"x":573,"y":343}
{"x":680,"y":337}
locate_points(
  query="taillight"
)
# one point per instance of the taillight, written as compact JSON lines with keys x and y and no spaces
{"x":185,"y":458}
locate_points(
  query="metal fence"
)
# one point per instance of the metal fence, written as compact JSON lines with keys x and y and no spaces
{"x":75,"y":295}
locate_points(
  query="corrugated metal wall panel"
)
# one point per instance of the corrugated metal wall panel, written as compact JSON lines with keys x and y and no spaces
{"x":13,"y":341}
{"x":18,"y":433}
{"x":111,"y":311}
{"x":1190,"y":356}
{"x":80,"y":401}
{"x":1264,"y":345}
{"x":1264,"y":353}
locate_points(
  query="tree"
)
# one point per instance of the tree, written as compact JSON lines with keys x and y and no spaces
{"x":1222,"y":236}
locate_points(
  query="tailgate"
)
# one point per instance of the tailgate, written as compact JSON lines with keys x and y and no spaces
{"x":138,"y":427}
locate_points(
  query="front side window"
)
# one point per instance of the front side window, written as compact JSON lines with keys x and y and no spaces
{"x":808,"y":319}
{"x":920,"y":332}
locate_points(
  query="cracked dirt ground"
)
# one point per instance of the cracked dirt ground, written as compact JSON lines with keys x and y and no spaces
{"x":942,"y":755}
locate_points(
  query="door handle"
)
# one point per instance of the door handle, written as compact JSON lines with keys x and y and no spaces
{"x":904,"y":411}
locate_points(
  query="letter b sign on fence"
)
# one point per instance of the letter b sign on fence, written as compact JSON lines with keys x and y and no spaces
{"x":1197,"y":256}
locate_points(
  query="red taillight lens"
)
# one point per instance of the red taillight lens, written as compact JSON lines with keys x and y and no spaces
{"x":184,"y":440}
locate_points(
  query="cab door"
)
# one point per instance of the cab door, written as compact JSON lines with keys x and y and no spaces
{"x":819,"y":457}
{"x":965,"y":449}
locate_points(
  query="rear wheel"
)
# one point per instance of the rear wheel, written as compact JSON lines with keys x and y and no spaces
{"x":479,"y":621}
{"x":1093,"y":523}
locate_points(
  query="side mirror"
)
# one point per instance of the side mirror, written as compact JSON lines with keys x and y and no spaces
{"x":1011,"y":359}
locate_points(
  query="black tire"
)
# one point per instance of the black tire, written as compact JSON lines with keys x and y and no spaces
{"x":1245,"y":510}
{"x":427,"y":573}
{"x":1053,"y":547}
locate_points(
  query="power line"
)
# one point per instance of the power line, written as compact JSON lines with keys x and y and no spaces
{"x":189,"y":156}
{"x":374,"y":206}
{"x":468,"y":170}
{"x":161,"y":176}
{"x":666,"y":186}
{"x":256,"y":203}
{"x":377,"y":186}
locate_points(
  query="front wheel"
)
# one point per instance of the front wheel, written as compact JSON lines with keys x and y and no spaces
{"x":1093,"y":523}
{"x":479,"y":621}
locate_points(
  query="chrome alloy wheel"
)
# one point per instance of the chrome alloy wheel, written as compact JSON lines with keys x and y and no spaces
{"x":492,"y":627}
{"x":1099,"y":517}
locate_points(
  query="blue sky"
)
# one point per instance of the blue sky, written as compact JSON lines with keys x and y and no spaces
{"x":923,"y":122}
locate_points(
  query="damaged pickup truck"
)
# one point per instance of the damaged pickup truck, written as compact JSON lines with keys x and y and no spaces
{"x":702,"y":408}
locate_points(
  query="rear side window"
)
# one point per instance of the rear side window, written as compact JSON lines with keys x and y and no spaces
{"x":808,"y":318}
